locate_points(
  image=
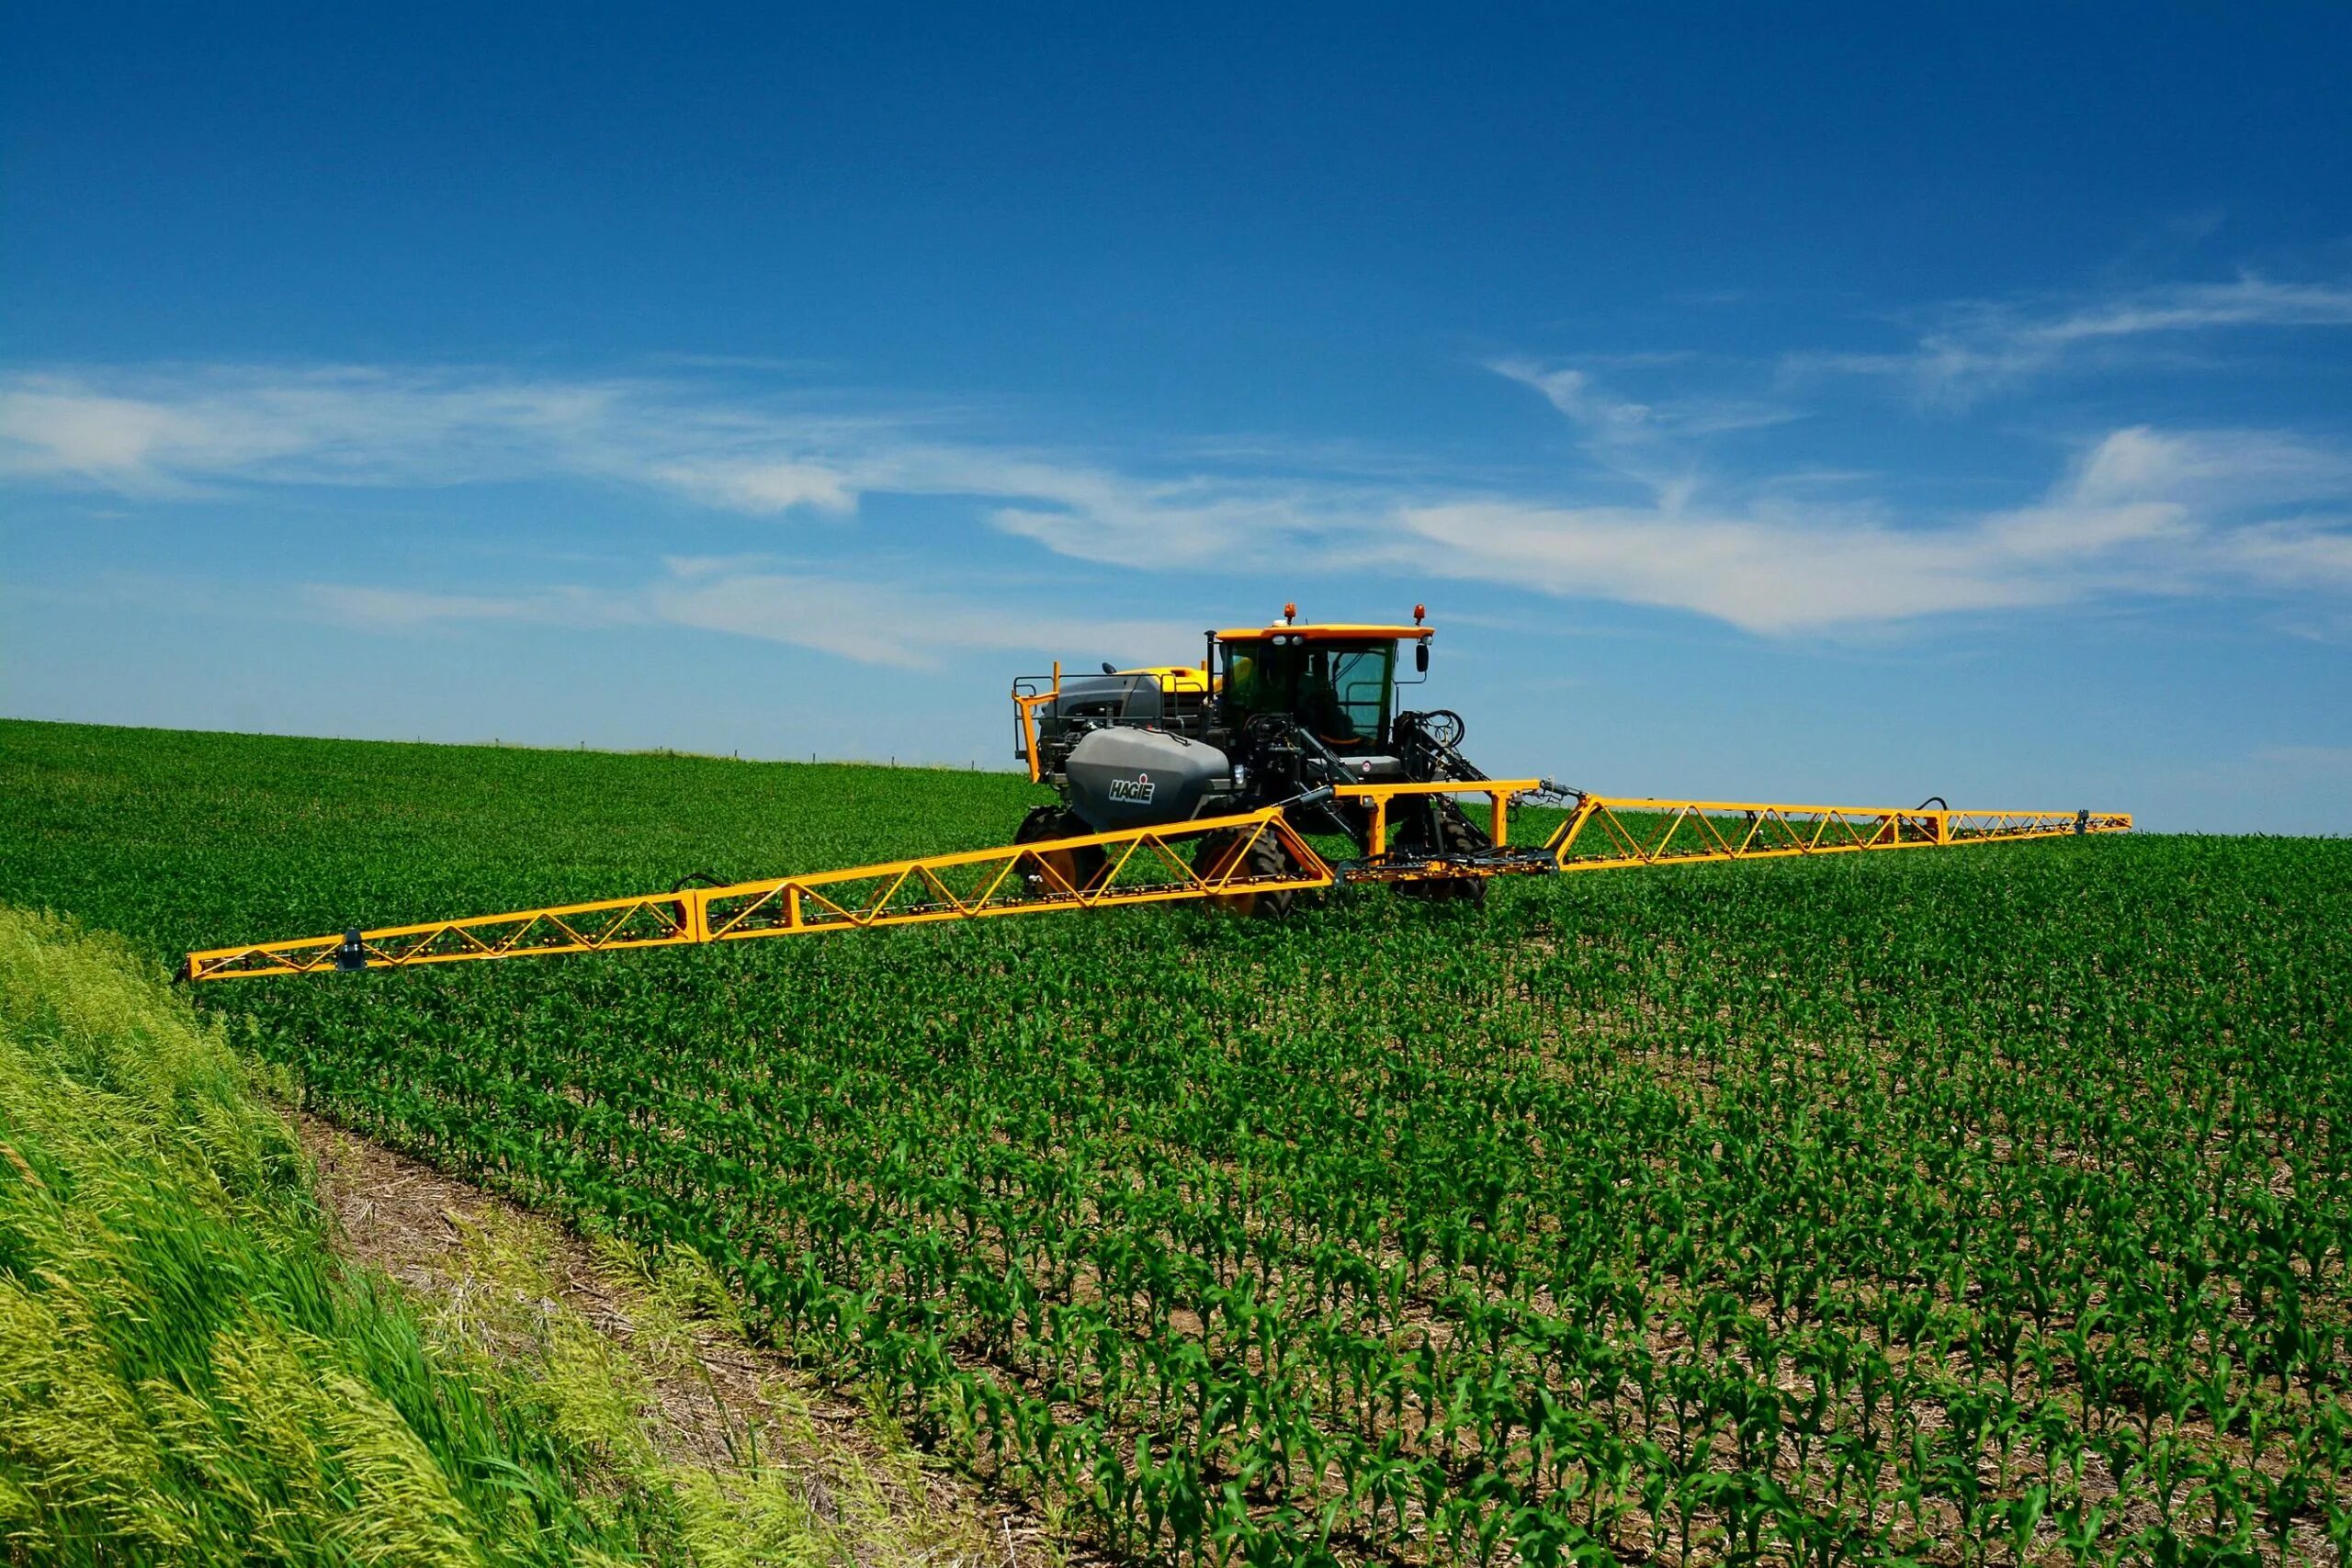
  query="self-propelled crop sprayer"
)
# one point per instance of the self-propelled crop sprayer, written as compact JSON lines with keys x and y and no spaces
{"x":1212,"y":782}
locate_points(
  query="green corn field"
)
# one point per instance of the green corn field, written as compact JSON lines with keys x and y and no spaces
{"x":1973,"y":1206}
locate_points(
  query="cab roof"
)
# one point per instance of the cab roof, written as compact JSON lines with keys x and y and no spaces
{"x":1329,"y":631}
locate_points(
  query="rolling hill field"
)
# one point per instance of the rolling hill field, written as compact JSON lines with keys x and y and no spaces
{"x":1975,"y":1205}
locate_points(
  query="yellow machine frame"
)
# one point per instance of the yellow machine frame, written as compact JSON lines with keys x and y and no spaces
{"x":1142,"y":866}
{"x":1500,"y":794}
{"x":1139,"y":866}
{"x":1635,"y":832}
{"x":1028,"y":703}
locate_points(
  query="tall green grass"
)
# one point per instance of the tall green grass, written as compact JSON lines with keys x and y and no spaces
{"x":186,"y":1375}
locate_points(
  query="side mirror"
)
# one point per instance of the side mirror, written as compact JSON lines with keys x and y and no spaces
{"x":1109,"y":668}
{"x":1421,"y":657}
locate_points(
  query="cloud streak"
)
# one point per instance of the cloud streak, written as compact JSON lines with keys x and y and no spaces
{"x":2137,"y":511}
{"x":1980,"y":347}
{"x":2141,"y":511}
{"x":865,"y":622}
{"x":886,"y":623}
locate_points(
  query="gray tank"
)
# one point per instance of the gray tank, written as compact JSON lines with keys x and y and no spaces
{"x":1139,"y":778}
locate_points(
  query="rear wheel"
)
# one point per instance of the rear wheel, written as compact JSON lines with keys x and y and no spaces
{"x":1233,"y":852}
{"x":1455,"y":835}
{"x":1075,"y":868}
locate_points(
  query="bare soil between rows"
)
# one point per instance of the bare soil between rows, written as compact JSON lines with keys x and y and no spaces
{"x":411,"y":1222}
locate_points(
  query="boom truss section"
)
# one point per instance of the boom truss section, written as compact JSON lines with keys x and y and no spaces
{"x":1606,"y":832}
{"x":1149,"y":865}
{"x":1211,"y":858}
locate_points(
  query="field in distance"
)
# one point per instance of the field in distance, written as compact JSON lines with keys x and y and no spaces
{"x":1987,"y":1204}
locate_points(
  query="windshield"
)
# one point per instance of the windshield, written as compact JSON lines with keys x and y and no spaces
{"x":1340,"y":691}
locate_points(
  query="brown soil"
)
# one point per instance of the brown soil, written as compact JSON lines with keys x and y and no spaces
{"x":413,"y":1222}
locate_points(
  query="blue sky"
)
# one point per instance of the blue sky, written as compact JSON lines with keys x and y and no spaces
{"x":1844,"y":406}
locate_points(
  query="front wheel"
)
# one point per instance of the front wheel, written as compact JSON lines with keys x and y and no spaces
{"x":1071,"y":869}
{"x":1232,"y":852}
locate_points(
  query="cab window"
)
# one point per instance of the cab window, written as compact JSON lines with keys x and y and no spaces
{"x":1361,"y":679}
{"x":1341,"y":691}
{"x":1265,"y":677}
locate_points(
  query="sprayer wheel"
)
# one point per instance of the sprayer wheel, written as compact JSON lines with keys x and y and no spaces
{"x":1215,"y":858}
{"x":1075,"y":867}
{"x":1456,"y":834}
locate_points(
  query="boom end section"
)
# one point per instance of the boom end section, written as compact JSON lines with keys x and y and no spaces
{"x":1606,"y":832}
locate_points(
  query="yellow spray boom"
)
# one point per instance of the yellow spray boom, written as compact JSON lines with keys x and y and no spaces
{"x":1144,"y":865}
{"x":1181,"y":782}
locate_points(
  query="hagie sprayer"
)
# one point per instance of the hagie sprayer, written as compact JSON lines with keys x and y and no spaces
{"x":1203,"y":782}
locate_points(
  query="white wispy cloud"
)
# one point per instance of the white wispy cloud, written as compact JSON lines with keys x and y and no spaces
{"x":864,"y":621}
{"x":2303,"y":553}
{"x":2137,"y":510}
{"x":2140,"y":512}
{"x":1608,"y":416}
{"x":762,"y":487}
{"x":380,"y":608}
{"x":177,"y":432}
{"x":50,"y":429}
{"x":1657,"y":445}
{"x":193,"y":430}
{"x":2327,"y":759}
{"x":1974,"y":347}
{"x":1575,"y":394}
{"x":886,"y":623}
{"x":2229,"y":469}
